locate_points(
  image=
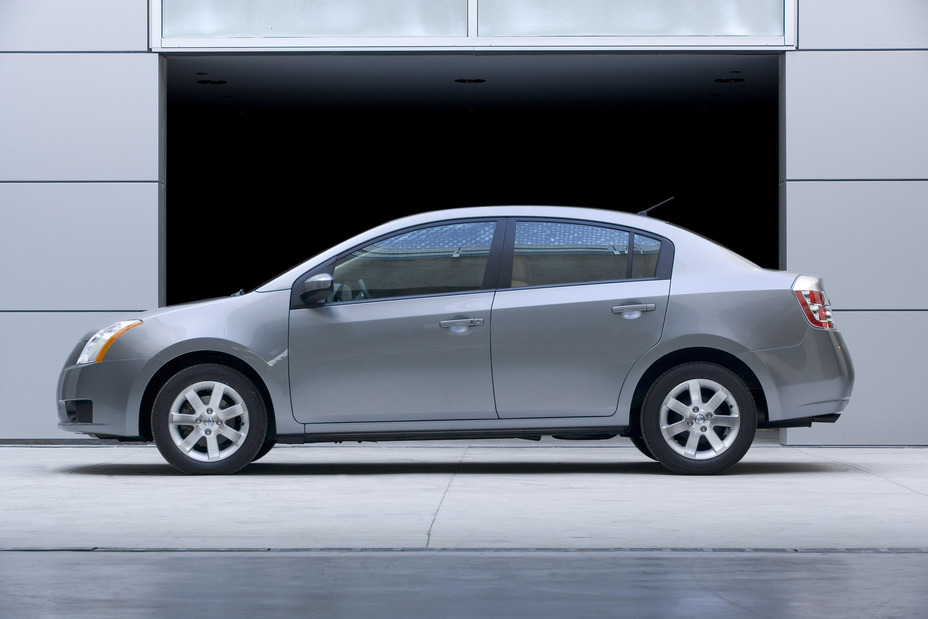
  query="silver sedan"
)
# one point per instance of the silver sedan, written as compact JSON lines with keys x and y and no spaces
{"x":489,"y":322}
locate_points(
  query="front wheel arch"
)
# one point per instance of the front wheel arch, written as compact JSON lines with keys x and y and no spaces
{"x":177,"y":364}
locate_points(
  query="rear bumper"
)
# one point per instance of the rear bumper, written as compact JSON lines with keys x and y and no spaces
{"x":812,"y":382}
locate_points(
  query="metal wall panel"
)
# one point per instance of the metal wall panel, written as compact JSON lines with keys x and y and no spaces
{"x":78,"y":246}
{"x":865,"y":238}
{"x":856,"y":114}
{"x":35,"y":346}
{"x":863,"y":24}
{"x":853,"y":194}
{"x":888,"y":351}
{"x":73,"y":25}
{"x":79,"y":117}
{"x":81,"y":184}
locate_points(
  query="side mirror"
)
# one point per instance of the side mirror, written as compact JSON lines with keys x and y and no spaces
{"x":317,"y":288}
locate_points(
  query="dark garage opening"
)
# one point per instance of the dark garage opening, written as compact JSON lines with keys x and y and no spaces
{"x":258,"y":181}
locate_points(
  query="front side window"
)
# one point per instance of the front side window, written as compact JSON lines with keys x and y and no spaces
{"x":551,"y":253}
{"x":441,"y":259}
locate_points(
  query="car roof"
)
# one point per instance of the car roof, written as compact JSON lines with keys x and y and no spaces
{"x":566,"y":212}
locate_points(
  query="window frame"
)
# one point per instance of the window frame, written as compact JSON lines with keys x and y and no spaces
{"x":473,"y":41}
{"x":498,"y":270}
{"x":490,"y":274}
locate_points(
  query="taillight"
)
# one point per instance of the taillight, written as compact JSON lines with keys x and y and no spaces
{"x":814,"y":303}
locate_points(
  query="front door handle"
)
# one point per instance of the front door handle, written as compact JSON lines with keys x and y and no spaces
{"x":634,"y":310}
{"x":460,"y":322}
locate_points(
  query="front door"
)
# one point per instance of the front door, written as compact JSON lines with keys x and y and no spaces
{"x":404,"y":337}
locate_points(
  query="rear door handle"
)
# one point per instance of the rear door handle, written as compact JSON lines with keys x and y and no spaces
{"x":634,"y":310}
{"x":460,"y":325}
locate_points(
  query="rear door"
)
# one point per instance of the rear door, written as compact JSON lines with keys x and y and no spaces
{"x":583,"y":303}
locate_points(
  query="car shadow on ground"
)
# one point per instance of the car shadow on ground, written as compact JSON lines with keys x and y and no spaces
{"x":455,"y":468}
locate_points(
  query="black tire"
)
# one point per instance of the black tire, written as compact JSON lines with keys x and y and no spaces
{"x":209,"y":420}
{"x":639,"y":442}
{"x":264,"y":450}
{"x":698,"y":419}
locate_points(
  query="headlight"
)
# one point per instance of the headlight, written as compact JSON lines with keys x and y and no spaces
{"x":96,"y":347}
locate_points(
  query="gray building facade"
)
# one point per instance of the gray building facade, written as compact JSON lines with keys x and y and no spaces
{"x":83,"y":158}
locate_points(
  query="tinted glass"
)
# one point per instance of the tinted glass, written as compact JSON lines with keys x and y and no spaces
{"x":644,"y":258}
{"x":548,"y":253}
{"x":436,"y":260}
{"x":645,"y":18}
{"x":312,"y":18}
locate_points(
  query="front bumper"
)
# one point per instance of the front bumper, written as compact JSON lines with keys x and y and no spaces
{"x":95,"y":398}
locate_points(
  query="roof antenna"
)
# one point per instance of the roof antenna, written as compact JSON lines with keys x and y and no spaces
{"x":648,"y":210}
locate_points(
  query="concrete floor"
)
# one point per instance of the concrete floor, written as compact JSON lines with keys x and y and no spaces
{"x":464,"y":529}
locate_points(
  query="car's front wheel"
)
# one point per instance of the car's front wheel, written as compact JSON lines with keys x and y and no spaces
{"x":209,"y":419}
{"x":699,"y":418}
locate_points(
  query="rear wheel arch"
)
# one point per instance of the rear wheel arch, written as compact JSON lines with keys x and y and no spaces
{"x":690,"y":355}
{"x":198,"y":358}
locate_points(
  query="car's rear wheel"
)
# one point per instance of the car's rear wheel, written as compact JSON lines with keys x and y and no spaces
{"x":209,"y":419}
{"x":639,"y":442}
{"x":699,"y":418}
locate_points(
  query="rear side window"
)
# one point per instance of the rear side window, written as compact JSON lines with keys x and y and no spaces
{"x":550,"y":253}
{"x":434,"y":260}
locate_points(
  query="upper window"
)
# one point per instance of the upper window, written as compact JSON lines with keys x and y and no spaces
{"x":549,"y":253}
{"x":436,"y":260}
{"x":481,"y":24}
{"x":644,"y":18}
